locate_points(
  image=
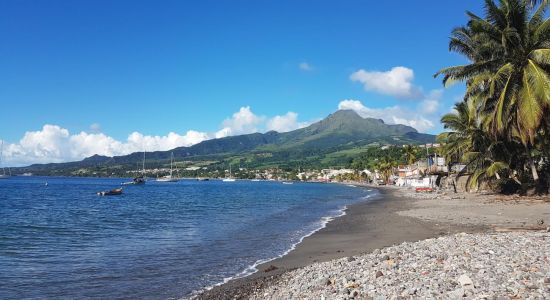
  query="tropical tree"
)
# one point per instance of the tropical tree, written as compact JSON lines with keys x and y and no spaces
{"x":410,"y":152}
{"x":507,"y":78}
{"x":386,"y":167}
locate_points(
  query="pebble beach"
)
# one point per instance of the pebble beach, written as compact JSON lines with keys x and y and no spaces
{"x":476,"y":266}
{"x":409,"y":245}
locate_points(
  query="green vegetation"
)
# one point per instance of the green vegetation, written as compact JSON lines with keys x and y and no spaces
{"x":332,"y":142}
{"x":501,"y":128}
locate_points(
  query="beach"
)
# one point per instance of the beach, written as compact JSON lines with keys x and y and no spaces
{"x":398,"y":215}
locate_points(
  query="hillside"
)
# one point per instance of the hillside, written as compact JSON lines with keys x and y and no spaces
{"x":339,"y":136}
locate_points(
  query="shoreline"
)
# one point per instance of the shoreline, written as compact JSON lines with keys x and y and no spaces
{"x":362,"y":228}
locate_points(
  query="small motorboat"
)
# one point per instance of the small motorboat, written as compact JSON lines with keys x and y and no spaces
{"x":288,"y":182}
{"x":113,"y":192}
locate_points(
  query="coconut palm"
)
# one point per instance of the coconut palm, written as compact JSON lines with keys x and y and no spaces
{"x":507,"y":79}
{"x":409,"y":152}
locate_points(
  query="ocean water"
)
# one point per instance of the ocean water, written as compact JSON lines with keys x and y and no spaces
{"x":156,"y":241}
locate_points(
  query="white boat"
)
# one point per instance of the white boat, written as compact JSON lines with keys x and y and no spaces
{"x":3,"y":175}
{"x":255,"y":180}
{"x":169,"y":178}
{"x":230,"y":178}
{"x":288,"y":182}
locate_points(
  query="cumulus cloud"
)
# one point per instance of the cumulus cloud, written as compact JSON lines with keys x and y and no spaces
{"x":397,"y":82}
{"x":52,"y":143}
{"x":55,"y":144}
{"x":391,"y":115}
{"x":304,"y":66}
{"x":284,"y":123}
{"x":242,"y":122}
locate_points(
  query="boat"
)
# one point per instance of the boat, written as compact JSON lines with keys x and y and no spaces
{"x":169,"y":178}
{"x":113,"y":192}
{"x":138,"y":180}
{"x":203,"y":179}
{"x":3,"y":175}
{"x":230,"y":178}
{"x":255,"y":180}
{"x":424,"y":190}
{"x":288,"y":182}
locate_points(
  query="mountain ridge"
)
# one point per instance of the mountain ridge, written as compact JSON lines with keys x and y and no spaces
{"x":340,"y":130}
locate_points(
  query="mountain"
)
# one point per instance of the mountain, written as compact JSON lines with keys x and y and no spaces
{"x":342,"y":131}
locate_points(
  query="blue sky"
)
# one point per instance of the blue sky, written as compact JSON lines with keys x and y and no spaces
{"x":155,"y":67}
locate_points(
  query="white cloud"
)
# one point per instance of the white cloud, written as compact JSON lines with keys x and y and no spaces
{"x":284,"y":123}
{"x":391,"y":115}
{"x":430,"y":104}
{"x":242,"y":122}
{"x":56,"y":144}
{"x":304,"y":66}
{"x":397,"y":82}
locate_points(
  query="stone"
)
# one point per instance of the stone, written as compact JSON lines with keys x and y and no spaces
{"x":351,"y":258}
{"x":379,"y":274}
{"x":465,"y":281}
{"x":456,"y":294}
{"x":385,"y":257}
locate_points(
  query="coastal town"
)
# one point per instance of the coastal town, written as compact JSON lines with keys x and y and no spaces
{"x":300,"y":150}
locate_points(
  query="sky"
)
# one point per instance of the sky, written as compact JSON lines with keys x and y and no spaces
{"x":79,"y":78}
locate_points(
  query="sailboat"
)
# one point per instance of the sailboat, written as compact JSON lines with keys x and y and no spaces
{"x":139,"y":179}
{"x":230,"y":178}
{"x":3,"y":175}
{"x":169,"y":178}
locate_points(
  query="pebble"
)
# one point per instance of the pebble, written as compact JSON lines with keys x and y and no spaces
{"x":461,"y":266}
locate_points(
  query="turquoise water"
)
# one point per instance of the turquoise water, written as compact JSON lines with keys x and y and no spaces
{"x":156,"y":241}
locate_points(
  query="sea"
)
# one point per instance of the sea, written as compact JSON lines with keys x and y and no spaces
{"x":161,"y":240}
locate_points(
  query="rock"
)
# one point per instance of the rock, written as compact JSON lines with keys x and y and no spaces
{"x":547,"y":280}
{"x":354,"y":293}
{"x":379,"y":274}
{"x":465,"y":281}
{"x":540,"y":222}
{"x":351,"y":258}
{"x":385,"y":257}
{"x":456,"y":294}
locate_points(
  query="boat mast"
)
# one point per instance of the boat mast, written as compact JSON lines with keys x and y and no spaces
{"x":143,"y":163}
{"x":171,"y":160}
{"x":1,"y":153}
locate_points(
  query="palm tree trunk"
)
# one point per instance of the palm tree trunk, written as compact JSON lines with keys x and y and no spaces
{"x":533,"y":170}
{"x":532,"y":166}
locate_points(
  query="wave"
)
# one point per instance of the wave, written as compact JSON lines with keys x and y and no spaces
{"x":251,"y":269}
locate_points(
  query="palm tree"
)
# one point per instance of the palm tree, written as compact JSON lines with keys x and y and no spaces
{"x":386,"y":166}
{"x":409,"y":152}
{"x":484,"y":156}
{"x":507,"y":79}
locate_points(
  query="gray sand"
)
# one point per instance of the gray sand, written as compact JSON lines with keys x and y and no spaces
{"x":365,"y":227}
